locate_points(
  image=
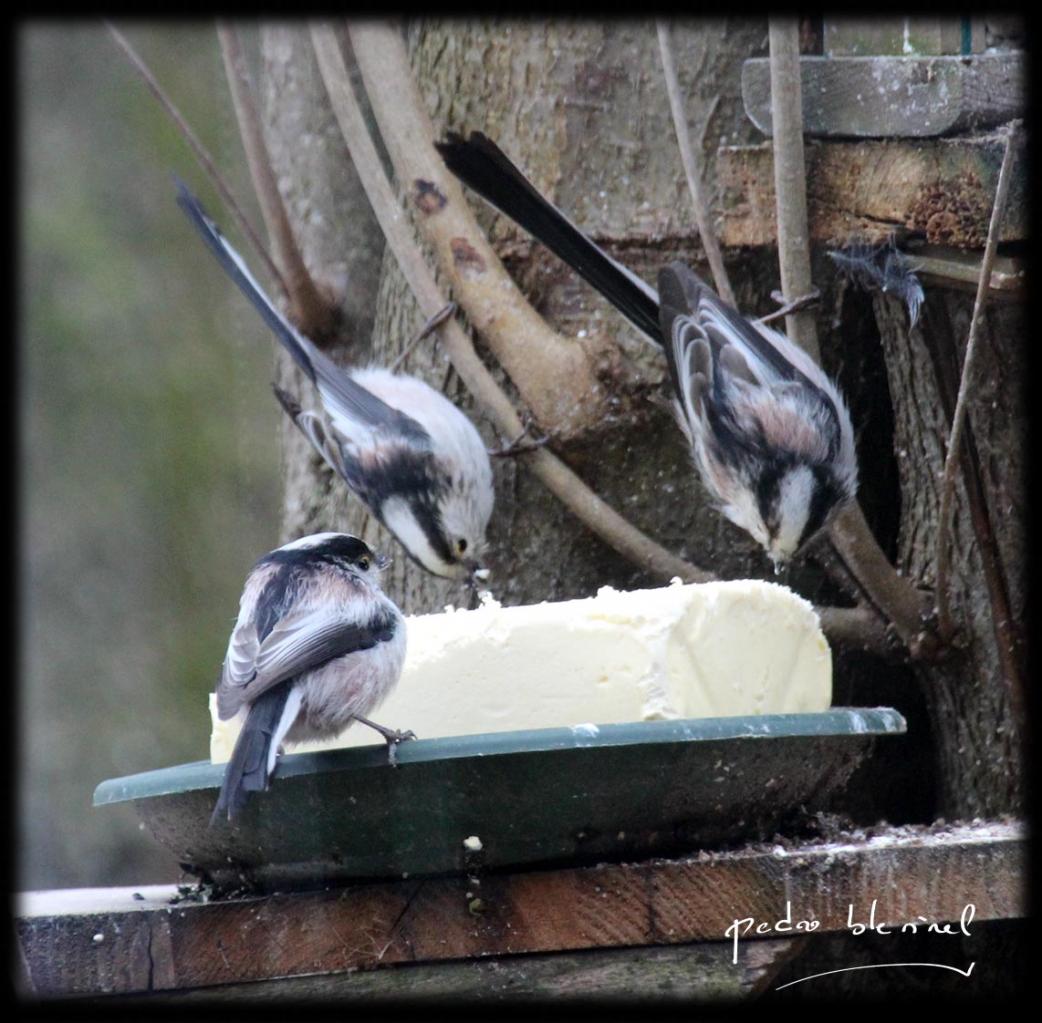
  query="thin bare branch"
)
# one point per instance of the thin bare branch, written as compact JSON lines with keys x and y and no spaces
{"x":431,"y":325}
{"x":954,"y":450}
{"x":201,"y":153}
{"x":595,"y":513}
{"x":795,"y":306}
{"x":790,"y":178}
{"x":892,"y":594}
{"x":859,"y":628}
{"x":687,"y":157}
{"x":312,"y":311}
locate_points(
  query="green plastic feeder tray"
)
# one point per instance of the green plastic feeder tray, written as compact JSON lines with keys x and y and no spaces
{"x":547,"y":796}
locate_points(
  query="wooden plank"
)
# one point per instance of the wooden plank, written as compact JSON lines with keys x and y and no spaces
{"x":147,"y":945}
{"x":681,"y":973}
{"x":941,"y":189}
{"x":894,"y":97}
{"x":953,"y":268}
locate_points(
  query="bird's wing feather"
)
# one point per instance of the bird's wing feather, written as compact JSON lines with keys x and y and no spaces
{"x":765,"y":353}
{"x":348,"y":402}
{"x":689,"y":365}
{"x":313,"y":426}
{"x":757,"y":373}
{"x":307,"y":640}
{"x":241,"y":658}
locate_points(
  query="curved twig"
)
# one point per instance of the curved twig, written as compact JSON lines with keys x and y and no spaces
{"x":312,"y":311}
{"x":554,"y":375}
{"x":595,"y":513}
{"x":687,"y":157}
{"x":860,"y":628}
{"x":201,"y":154}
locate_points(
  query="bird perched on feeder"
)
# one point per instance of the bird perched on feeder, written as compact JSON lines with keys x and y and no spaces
{"x":416,"y":461}
{"x":317,"y":645}
{"x":770,"y":434}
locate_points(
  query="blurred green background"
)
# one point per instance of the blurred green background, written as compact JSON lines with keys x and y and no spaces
{"x":149,"y":453}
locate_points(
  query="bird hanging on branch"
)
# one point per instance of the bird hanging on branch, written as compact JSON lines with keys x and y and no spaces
{"x":415,"y":460}
{"x":770,"y":433}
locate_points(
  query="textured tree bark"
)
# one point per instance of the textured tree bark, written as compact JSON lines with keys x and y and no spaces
{"x":582,"y":108}
{"x":972,"y":693}
{"x":557,"y":95}
{"x":342,"y":246}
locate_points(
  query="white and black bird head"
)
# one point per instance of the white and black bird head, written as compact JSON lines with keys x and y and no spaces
{"x":770,"y":433}
{"x":430,"y":479}
{"x":413,"y":457}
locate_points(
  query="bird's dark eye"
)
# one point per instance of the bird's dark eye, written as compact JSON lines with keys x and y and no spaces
{"x":363,"y":563}
{"x":461,"y":546}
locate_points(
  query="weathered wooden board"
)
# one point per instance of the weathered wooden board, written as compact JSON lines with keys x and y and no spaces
{"x":941,"y":189}
{"x":106,"y":941}
{"x":956,"y":269}
{"x":894,"y":97}
{"x":680,"y":973}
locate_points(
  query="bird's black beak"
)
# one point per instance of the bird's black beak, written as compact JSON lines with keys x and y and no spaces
{"x":381,"y":561}
{"x":476,"y":576}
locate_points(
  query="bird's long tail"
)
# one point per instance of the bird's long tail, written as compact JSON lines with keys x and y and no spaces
{"x":248,"y":770}
{"x":481,"y":165}
{"x":334,"y":383}
{"x":294,"y":342}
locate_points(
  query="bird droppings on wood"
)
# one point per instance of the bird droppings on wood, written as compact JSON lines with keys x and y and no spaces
{"x":467,"y":259}
{"x":428,"y":197}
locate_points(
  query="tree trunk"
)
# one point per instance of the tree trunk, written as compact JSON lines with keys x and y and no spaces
{"x":342,"y":245}
{"x":582,"y":108}
{"x":555,"y":94}
{"x":972,"y":693}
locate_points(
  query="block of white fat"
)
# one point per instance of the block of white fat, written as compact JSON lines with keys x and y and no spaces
{"x":682,"y":651}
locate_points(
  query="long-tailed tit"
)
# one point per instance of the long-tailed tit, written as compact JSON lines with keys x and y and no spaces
{"x":416,"y":460}
{"x":316,"y":646}
{"x":769,"y":431}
